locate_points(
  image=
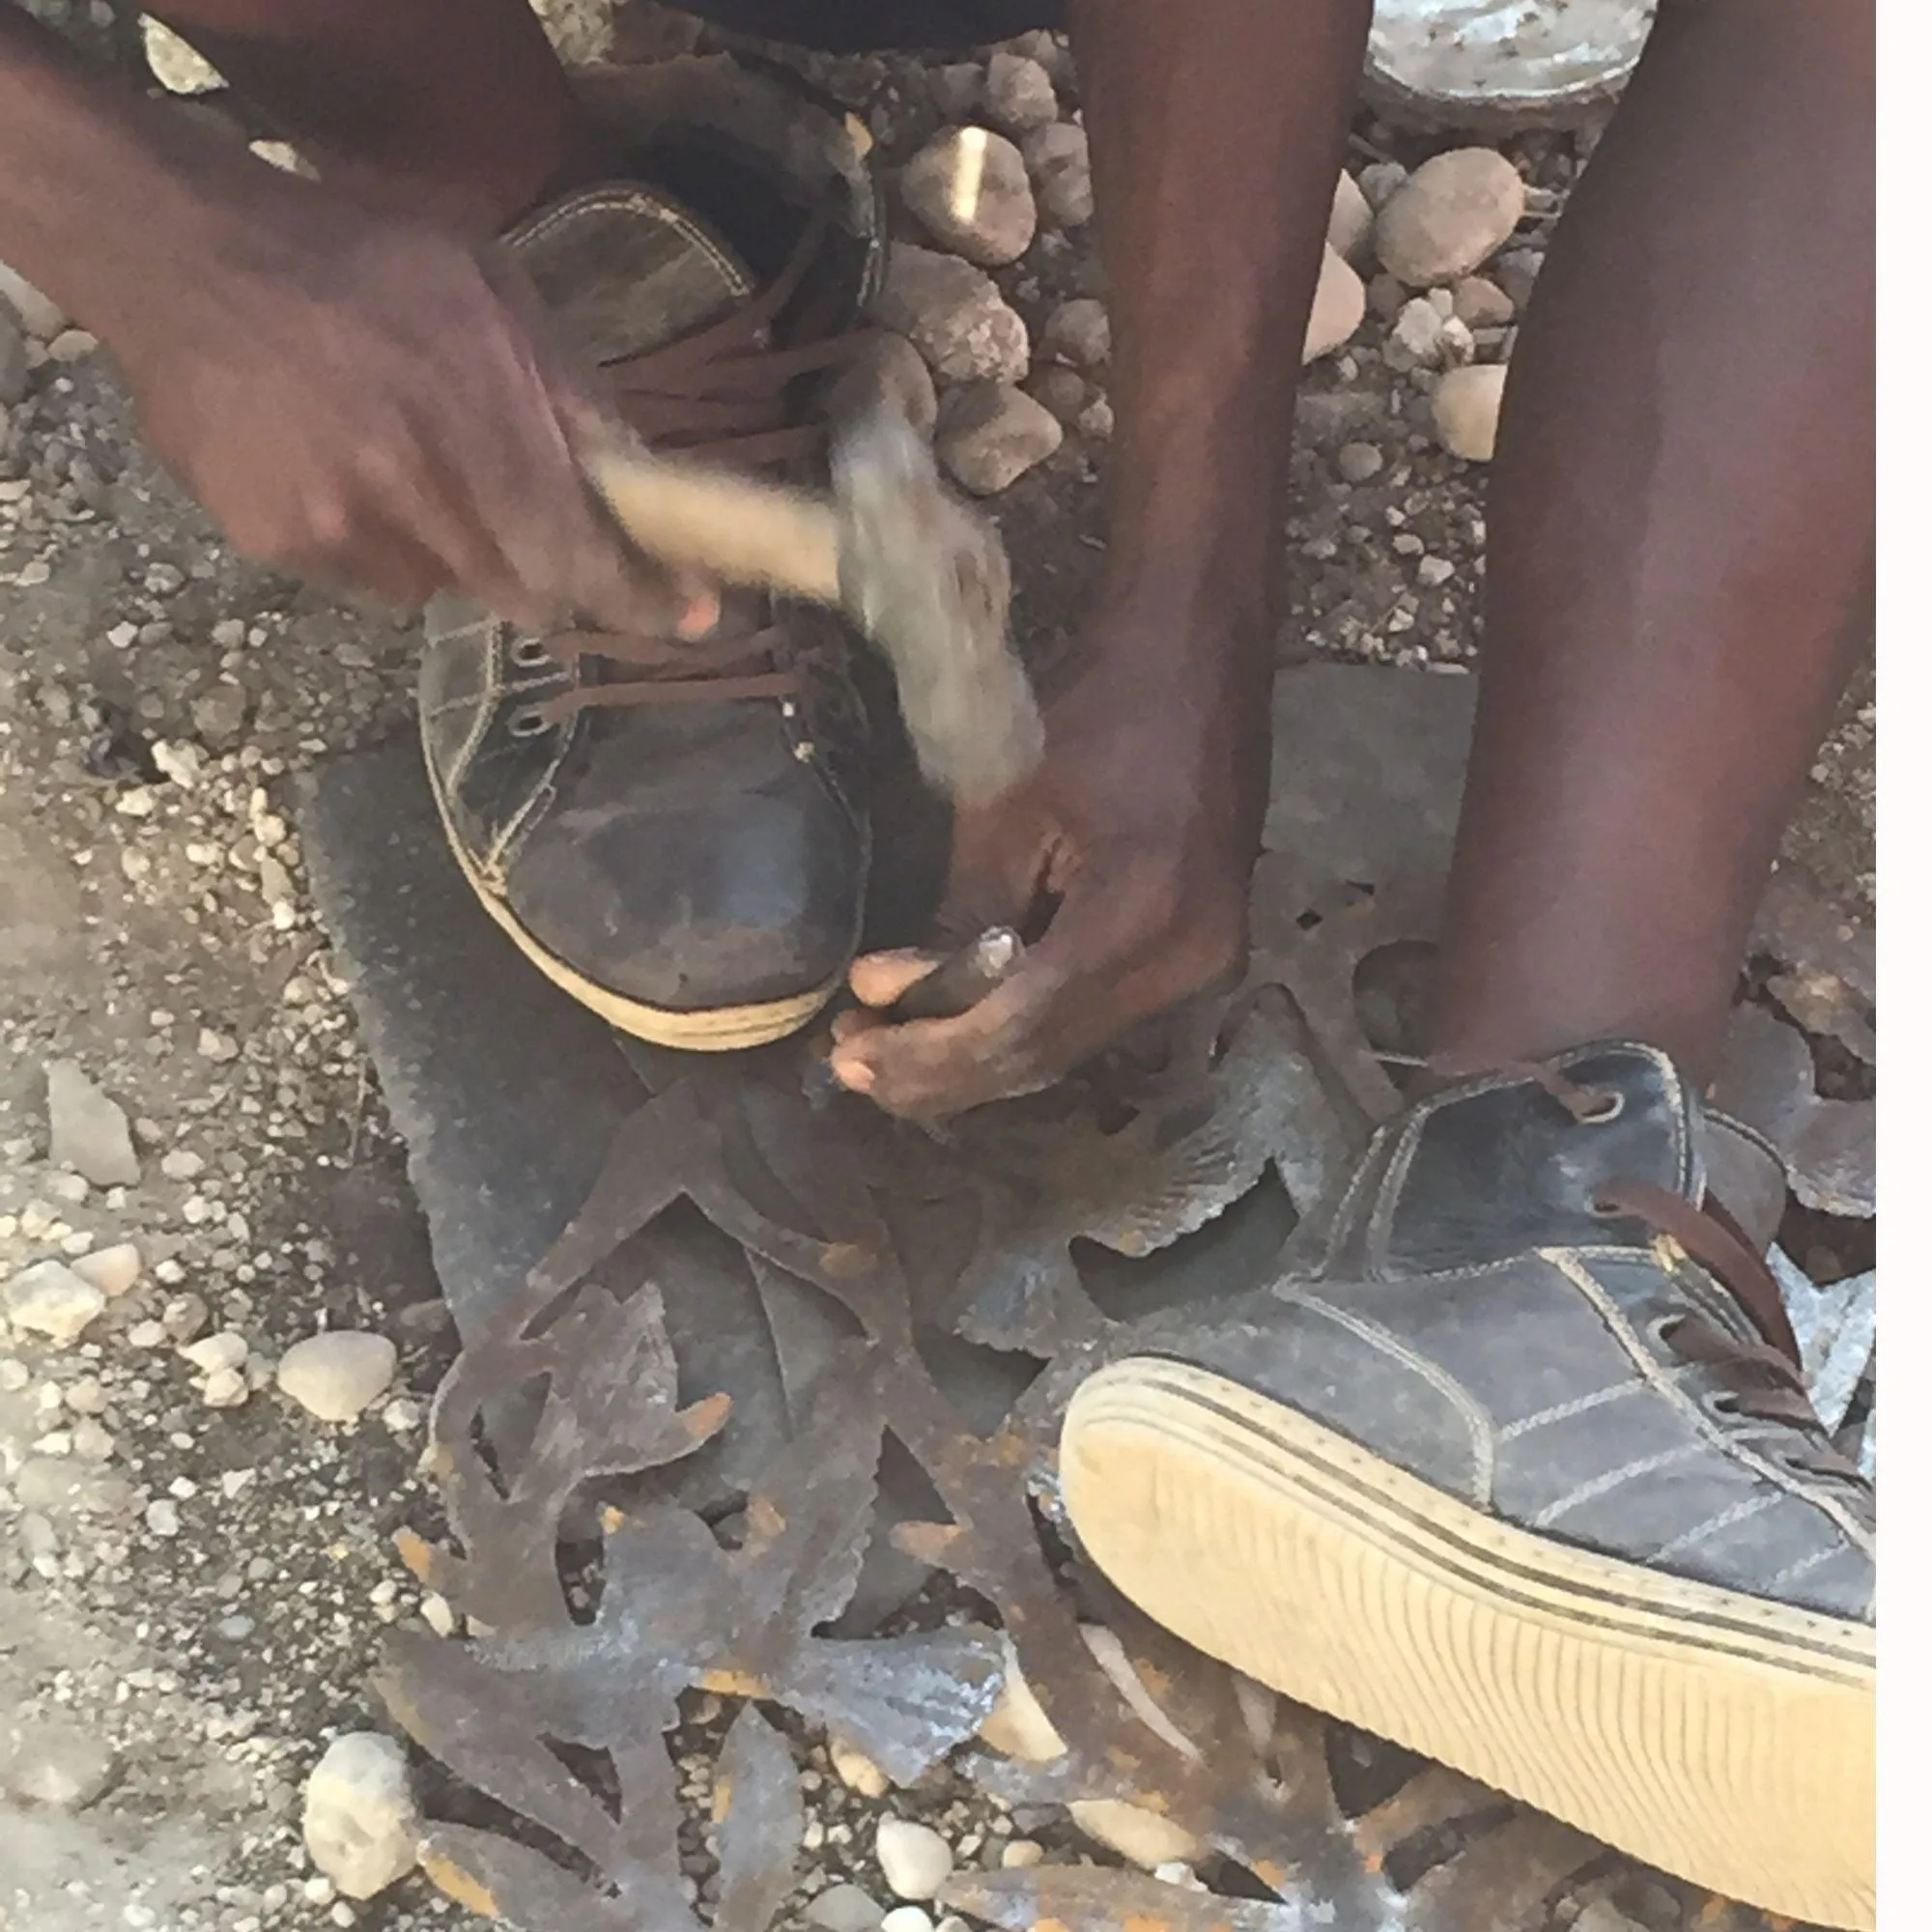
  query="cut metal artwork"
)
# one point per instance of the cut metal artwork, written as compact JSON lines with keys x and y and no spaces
{"x":595,"y":1600}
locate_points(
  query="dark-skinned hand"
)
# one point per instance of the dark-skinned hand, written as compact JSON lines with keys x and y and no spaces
{"x":1135,"y":839}
{"x":369,"y":403}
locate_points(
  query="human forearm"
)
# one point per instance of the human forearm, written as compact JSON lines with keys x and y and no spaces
{"x":1216,"y":131}
{"x":110,"y":202}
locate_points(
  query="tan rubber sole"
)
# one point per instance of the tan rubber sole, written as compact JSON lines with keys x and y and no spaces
{"x":1720,"y":1738}
{"x":714,"y":1030}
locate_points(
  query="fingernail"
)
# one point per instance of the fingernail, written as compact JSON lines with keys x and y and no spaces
{"x":854,"y":1075}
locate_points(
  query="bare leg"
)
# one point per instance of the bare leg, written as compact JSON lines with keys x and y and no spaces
{"x":1681,"y":530}
{"x":457,"y":107}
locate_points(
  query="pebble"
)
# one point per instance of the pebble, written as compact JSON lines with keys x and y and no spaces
{"x":40,"y":318}
{"x":182,"y":1164}
{"x":1019,"y":93}
{"x":953,"y":315}
{"x":224,"y":1350}
{"x":1357,"y":461}
{"x":337,"y":1374}
{"x":1434,"y":571}
{"x":86,"y":1130}
{"x":914,"y":1859}
{"x":52,"y":1300}
{"x":359,"y":1820}
{"x":1386,"y":296}
{"x":1481,"y":304}
{"x":1059,"y":388}
{"x":907,"y":1919}
{"x":12,"y":358}
{"x":220,"y":716}
{"x":1415,"y":342}
{"x":1351,"y":221}
{"x":55,"y":1762}
{"x":959,"y":90}
{"x":855,"y":1770}
{"x":112,"y":1269}
{"x":969,"y":188}
{"x":1144,"y":1836}
{"x":183,"y":1318}
{"x":1057,"y":158}
{"x":1337,"y":310}
{"x":163,"y":1518}
{"x":1078,"y":332}
{"x":1515,"y":273}
{"x":1465,"y":406}
{"x":92,"y":1443}
{"x":1449,"y":217}
{"x":843,"y":1908}
{"x":73,"y":345}
{"x":1019,"y":1854}
{"x":1380,"y":181}
{"x":436,"y":1613}
{"x":991,"y":434}
{"x":1095,"y":422}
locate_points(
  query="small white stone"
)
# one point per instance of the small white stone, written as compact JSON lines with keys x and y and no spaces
{"x":224,"y":1350}
{"x":907,"y":1919}
{"x":1145,"y":1837}
{"x":90,"y":1441}
{"x":1337,"y":310}
{"x":1351,"y":221}
{"x":360,"y":1821}
{"x":436,"y":1613}
{"x":843,"y":1908}
{"x":182,"y":1164}
{"x":43,"y":317}
{"x":855,"y":1770}
{"x":1468,"y":405}
{"x":337,"y":1374}
{"x":113,"y":1270}
{"x":86,"y":1130}
{"x":914,"y":1860}
{"x":225,"y":1388}
{"x":1019,"y":1854}
{"x":163,"y":1518}
{"x":50,"y":1299}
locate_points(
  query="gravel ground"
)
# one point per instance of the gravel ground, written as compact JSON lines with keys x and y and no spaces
{"x":194,"y":1569}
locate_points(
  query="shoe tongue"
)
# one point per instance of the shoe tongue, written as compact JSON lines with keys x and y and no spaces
{"x":625,"y":270}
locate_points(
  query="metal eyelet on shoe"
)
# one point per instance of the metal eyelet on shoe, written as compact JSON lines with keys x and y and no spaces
{"x":1723,"y":1405}
{"x":1605,"y":1108}
{"x":530,"y":723}
{"x":529,"y":654}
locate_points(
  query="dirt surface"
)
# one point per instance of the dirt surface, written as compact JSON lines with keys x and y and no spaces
{"x":190,"y":1596}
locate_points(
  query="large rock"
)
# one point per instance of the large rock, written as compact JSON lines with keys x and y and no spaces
{"x":1337,"y":310}
{"x":991,"y":434}
{"x":1468,"y":405}
{"x":969,"y":188}
{"x":953,"y":315}
{"x":1063,"y":173}
{"x":360,"y":1821}
{"x":1449,"y":217}
{"x":87,"y":1131}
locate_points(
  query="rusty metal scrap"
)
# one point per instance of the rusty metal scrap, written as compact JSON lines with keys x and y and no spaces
{"x":1829,"y":1145}
{"x":596,"y":1599}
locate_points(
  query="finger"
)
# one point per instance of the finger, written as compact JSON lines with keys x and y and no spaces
{"x":878,"y":978}
{"x":1065,"y":1001}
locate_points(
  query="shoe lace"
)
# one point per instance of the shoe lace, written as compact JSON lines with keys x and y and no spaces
{"x":1762,"y":1381}
{"x":722,"y":393}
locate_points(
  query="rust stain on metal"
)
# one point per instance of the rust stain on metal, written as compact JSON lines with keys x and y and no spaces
{"x":590,"y":1646}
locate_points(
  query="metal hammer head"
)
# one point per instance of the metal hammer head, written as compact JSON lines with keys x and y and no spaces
{"x":926,"y":580}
